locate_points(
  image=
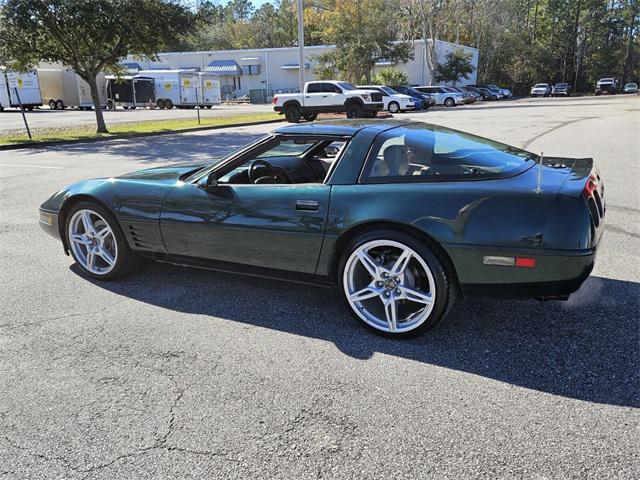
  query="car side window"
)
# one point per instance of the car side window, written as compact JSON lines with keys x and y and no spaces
{"x":407,"y":154}
{"x":314,"y":88}
{"x":330,"y":88}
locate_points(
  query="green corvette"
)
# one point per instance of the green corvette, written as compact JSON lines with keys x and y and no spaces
{"x":404,"y":217}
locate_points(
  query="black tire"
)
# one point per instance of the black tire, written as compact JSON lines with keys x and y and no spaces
{"x":449,"y":102}
{"x":292,"y":114}
{"x":168,"y":104}
{"x":373,"y":113}
{"x":29,"y":108}
{"x":354,"y":110}
{"x":394,"y":107}
{"x":445,"y":282}
{"x":110,"y":105}
{"x":52,"y":104}
{"x":126,"y":260}
{"x":60,"y":105}
{"x":160,"y":104}
{"x":310,"y":117}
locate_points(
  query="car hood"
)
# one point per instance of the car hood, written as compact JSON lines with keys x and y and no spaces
{"x":170,"y":173}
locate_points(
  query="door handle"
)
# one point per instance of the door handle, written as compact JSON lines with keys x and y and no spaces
{"x":308,"y":205}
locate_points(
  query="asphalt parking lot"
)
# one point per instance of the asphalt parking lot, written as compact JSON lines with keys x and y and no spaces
{"x":178,"y":373}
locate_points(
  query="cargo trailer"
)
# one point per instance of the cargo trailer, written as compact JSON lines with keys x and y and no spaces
{"x":176,"y":88}
{"x":130,"y":91}
{"x":62,"y":88}
{"x":210,"y":88}
{"x":28,"y":89}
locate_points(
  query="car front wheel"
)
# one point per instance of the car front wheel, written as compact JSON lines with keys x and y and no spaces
{"x":449,"y":102}
{"x":394,"y":107}
{"x":394,"y":284}
{"x":96,"y":242}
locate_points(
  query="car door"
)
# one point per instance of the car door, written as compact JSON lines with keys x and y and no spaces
{"x":332,"y":97}
{"x":273,"y":226}
{"x":313,"y":97}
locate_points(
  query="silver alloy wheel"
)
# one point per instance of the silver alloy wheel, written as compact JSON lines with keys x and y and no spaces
{"x":389,"y":286}
{"x":92,"y":242}
{"x":394,"y":107}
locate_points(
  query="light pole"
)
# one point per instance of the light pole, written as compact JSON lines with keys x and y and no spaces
{"x":300,"y":45}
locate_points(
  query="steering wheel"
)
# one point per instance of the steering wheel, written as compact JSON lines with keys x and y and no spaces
{"x":275,"y":174}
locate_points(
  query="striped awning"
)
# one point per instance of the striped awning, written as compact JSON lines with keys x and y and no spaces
{"x":224,"y":67}
{"x":293,"y":66}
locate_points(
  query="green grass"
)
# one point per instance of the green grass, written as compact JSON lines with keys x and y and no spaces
{"x":122,"y":130}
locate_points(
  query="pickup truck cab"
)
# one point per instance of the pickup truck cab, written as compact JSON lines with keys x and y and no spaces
{"x":328,"y":96}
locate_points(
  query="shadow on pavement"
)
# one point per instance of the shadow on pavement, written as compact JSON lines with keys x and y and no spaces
{"x":586,"y":348}
{"x":170,"y":148}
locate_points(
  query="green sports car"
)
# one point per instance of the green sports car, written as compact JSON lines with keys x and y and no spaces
{"x":404,"y":217}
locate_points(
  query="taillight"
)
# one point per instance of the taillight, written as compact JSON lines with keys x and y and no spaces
{"x":275,"y":100}
{"x":590,"y":187}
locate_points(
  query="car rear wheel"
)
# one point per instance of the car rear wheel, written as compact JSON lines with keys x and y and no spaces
{"x":449,"y":102}
{"x":292,"y":114}
{"x":160,"y":104}
{"x":394,"y":107}
{"x":96,"y":242}
{"x":394,"y":284}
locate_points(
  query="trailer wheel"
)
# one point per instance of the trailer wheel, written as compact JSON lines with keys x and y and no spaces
{"x":29,"y":108}
{"x":160,"y":104}
{"x":168,"y":104}
{"x":52,"y":104}
{"x":110,"y":105}
{"x":60,"y":105}
{"x":209,"y":106}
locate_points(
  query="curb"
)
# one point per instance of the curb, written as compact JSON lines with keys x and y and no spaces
{"x":52,"y":143}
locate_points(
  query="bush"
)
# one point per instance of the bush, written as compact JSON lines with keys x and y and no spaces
{"x":390,"y":76}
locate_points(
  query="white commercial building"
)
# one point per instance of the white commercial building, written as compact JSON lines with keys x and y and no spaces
{"x":271,"y":70}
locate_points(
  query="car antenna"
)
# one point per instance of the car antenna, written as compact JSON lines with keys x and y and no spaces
{"x":541,"y":158}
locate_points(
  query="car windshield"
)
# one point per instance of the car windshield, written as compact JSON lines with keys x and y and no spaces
{"x":389,"y":90}
{"x":632,"y":85}
{"x":346,"y":85}
{"x":561,"y":85}
{"x":541,"y":85}
{"x":419,"y":153}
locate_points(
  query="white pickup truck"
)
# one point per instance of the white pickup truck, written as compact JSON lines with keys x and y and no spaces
{"x":328,"y":96}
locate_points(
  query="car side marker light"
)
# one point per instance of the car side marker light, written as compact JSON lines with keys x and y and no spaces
{"x":523,"y":262}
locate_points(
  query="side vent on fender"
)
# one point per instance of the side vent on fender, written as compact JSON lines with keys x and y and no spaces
{"x":137,"y":238}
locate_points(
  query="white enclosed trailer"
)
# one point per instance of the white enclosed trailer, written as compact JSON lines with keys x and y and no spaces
{"x":176,"y":88}
{"x":5,"y":102}
{"x":210,"y":88}
{"x":27,"y":86}
{"x":62,"y":88}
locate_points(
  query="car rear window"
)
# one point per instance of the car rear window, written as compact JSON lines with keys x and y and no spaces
{"x":416,"y":153}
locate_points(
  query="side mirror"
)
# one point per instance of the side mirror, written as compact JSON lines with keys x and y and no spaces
{"x":212,"y":182}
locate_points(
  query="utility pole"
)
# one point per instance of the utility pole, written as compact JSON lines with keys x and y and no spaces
{"x":300,"y":45}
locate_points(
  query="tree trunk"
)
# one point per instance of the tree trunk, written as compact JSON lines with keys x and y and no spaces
{"x":95,"y":96}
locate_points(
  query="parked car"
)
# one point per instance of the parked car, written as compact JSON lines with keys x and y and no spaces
{"x":606,"y":86}
{"x":328,"y":96}
{"x":506,"y":93}
{"x":436,"y":213}
{"x":393,"y":101}
{"x":485,"y":93}
{"x":561,"y":90}
{"x":427,"y":99}
{"x":444,"y":96}
{"x":630,"y":88}
{"x":497,"y":91}
{"x":468,"y":98}
{"x":541,"y":90}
